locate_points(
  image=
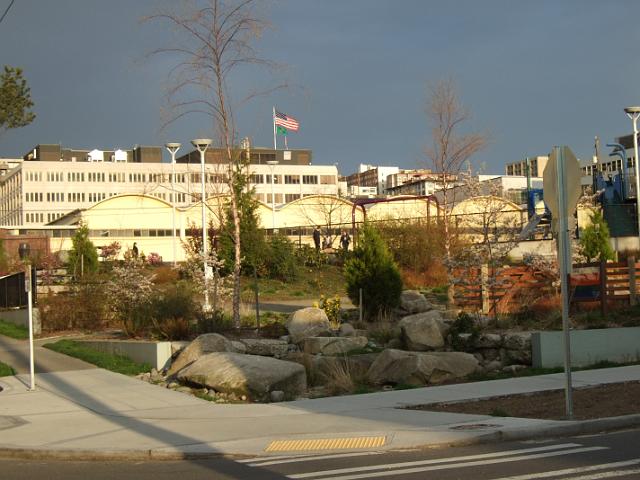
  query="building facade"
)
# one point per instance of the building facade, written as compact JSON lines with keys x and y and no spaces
{"x":371,"y":176}
{"x":52,"y":181}
{"x":531,"y":166}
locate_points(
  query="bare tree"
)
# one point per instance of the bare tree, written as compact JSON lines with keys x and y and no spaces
{"x":218,"y":39}
{"x":450,"y":148}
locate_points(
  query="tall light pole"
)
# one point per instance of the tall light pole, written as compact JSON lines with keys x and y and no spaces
{"x":272,"y":165}
{"x":23,"y":251}
{"x":201,"y":145}
{"x":633,"y":113}
{"x":173,"y":149}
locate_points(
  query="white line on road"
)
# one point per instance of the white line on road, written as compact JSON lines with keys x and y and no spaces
{"x":612,"y":474}
{"x":572,"y":471}
{"x":405,"y":471}
{"x":308,"y":458}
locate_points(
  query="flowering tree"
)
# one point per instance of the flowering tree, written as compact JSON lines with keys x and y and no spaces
{"x":129,"y":293}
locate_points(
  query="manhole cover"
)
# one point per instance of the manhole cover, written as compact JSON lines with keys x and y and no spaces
{"x":475,"y":426}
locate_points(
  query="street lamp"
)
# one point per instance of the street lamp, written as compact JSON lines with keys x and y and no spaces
{"x":173,"y":149}
{"x":633,"y":113}
{"x":24,"y":250}
{"x":201,"y":145}
{"x":272,"y":165}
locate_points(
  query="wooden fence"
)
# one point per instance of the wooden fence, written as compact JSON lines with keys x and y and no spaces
{"x":508,"y":290}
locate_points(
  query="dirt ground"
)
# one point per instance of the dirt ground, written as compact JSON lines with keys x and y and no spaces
{"x":593,"y":402}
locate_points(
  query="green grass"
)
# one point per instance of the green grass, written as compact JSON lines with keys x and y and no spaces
{"x":115,"y":363}
{"x":311,"y":282}
{"x":13,"y":331}
{"x":6,"y":370}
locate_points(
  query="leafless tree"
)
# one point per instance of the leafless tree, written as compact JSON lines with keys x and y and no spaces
{"x":218,"y":38}
{"x":450,"y":148}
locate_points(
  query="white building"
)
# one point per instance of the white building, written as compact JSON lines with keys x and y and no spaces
{"x":36,"y":191}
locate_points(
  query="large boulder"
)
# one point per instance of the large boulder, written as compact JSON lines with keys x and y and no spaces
{"x":517,"y":341}
{"x":265,"y":347}
{"x":207,"y":343}
{"x":333,"y":345}
{"x":308,"y":322}
{"x":357,"y":365}
{"x":251,"y":375}
{"x":424,"y":331}
{"x":417,"y":368}
{"x":412,"y":301}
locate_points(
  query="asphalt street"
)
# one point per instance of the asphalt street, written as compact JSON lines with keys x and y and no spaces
{"x":594,"y":457}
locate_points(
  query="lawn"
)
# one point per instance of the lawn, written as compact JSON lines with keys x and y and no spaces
{"x":115,"y":363}
{"x":311,"y":282}
{"x":14,"y":331}
{"x":6,"y":370}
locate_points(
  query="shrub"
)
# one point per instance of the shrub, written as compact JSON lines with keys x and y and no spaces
{"x":372,"y":269}
{"x":309,"y":257}
{"x":174,"y":310}
{"x":84,"y":307}
{"x":331,"y":307}
{"x":280,"y":263}
{"x":154,"y":259}
{"x":594,"y":239}
{"x":463,"y":324}
{"x":83,"y":257}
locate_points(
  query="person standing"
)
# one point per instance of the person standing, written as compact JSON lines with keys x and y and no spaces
{"x":345,"y":239}
{"x":134,"y":250}
{"x":316,"y":238}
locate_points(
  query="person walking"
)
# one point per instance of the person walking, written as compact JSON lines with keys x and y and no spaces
{"x":345,"y":239}
{"x":316,"y":238}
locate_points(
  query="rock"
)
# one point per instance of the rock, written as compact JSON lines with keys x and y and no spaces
{"x":395,"y":343}
{"x":178,"y":345}
{"x":266,"y":347}
{"x":204,"y":344}
{"x":513,"y":368}
{"x":417,"y":368}
{"x":490,"y":354}
{"x":238,"y":347}
{"x":308,"y":322}
{"x":184,"y":390}
{"x":173,"y":385}
{"x":493,"y":366}
{"x":285,"y":338}
{"x":333,"y":345}
{"x":517,"y":356}
{"x":347,"y":330}
{"x":156,"y":376}
{"x":360,"y":332}
{"x":423,"y":331}
{"x":488,"y":340}
{"x":412,"y":301}
{"x":517,"y":341}
{"x":277,"y":396}
{"x":251,"y":375}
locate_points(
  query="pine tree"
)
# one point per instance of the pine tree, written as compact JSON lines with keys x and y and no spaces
{"x":15,"y":100}
{"x":372,"y":269}
{"x":83,"y":257}
{"x":594,"y":239}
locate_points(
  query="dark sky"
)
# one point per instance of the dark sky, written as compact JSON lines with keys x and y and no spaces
{"x":534,"y":73}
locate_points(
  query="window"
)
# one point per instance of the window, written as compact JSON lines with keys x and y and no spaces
{"x":290,"y":197}
{"x":256,"y":178}
{"x":310,"y":179}
{"x":327,"y":179}
{"x":292,"y":179}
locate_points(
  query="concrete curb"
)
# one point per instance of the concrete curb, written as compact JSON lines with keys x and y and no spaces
{"x":565,"y":429}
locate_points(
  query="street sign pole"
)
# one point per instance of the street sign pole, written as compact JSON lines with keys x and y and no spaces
{"x":564,"y":261}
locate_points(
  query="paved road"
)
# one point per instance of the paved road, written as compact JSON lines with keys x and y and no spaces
{"x":16,"y":354}
{"x":603,"y":456}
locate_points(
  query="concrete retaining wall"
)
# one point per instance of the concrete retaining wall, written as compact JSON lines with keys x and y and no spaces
{"x":20,"y":316}
{"x":587,"y":347}
{"x":156,"y":354}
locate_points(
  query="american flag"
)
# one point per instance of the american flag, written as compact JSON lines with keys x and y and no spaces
{"x":286,"y":121}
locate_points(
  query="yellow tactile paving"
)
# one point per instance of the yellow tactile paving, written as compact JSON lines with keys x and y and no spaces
{"x":325,"y":444}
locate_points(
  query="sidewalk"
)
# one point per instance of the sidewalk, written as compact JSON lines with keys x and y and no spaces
{"x":95,"y":413}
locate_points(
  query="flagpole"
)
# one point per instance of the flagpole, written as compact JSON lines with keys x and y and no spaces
{"x":286,"y":146}
{"x":275,"y":145}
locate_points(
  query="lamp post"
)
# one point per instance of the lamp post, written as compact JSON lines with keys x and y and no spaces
{"x":23,"y":251}
{"x":201,"y":145}
{"x":272,"y":165}
{"x":633,"y":113}
{"x":173,"y":149}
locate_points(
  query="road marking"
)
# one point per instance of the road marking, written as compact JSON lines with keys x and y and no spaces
{"x":404,"y":471}
{"x":343,"y":443}
{"x":572,"y":471}
{"x":273,"y":457}
{"x":306,"y":458}
{"x":612,"y":474}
